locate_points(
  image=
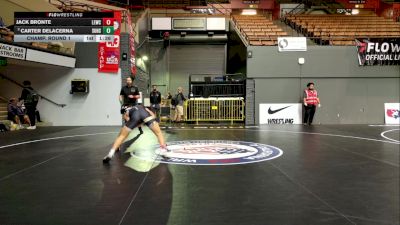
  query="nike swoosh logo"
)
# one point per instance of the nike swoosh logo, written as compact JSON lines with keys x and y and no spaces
{"x":277,"y":110}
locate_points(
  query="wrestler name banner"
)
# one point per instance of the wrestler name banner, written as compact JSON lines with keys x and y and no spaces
{"x":373,"y":52}
{"x":109,"y":52}
{"x":286,"y":113}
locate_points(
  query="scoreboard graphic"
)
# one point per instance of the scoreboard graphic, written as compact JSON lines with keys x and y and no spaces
{"x":64,"y":27}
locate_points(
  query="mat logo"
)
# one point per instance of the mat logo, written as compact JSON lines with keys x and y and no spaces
{"x":394,"y":113}
{"x":218,"y":152}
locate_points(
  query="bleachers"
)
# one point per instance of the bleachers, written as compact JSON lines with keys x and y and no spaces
{"x":258,"y":30}
{"x":343,"y":29}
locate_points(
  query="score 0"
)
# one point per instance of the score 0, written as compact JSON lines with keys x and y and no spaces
{"x":108,"y":21}
{"x":108,"y":26}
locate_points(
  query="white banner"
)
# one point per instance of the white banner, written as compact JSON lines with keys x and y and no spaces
{"x":50,"y":58}
{"x":392,"y":113}
{"x":216,"y":23}
{"x":289,"y":113}
{"x":292,"y":44}
{"x":11,"y":51}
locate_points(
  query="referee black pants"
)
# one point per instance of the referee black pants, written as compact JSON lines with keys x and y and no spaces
{"x":309,"y":112}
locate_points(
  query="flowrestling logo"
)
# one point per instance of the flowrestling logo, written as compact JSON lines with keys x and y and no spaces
{"x":378,"y":52}
{"x":218,"y":152}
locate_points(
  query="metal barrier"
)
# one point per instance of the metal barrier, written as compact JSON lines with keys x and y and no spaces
{"x":214,"y":109}
{"x":166,"y":111}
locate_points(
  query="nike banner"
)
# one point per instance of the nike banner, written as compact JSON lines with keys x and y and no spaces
{"x":289,"y":113}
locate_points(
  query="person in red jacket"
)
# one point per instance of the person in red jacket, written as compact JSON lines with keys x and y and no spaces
{"x":310,"y":100}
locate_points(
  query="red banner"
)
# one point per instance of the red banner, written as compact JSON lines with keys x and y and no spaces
{"x":131,"y":45}
{"x":109,"y":52}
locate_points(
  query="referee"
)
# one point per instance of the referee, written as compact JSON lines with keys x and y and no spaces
{"x":155,"y":100}
{"x":129,"y":96}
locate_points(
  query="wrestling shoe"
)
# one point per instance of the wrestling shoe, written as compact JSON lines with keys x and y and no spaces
{"x":106,"y":159}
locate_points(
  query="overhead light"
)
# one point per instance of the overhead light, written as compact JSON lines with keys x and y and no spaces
{"x":249,"y":12}
{"x":357,"y":6}
{"x":355,"y":12}
{"x":145,"y":58}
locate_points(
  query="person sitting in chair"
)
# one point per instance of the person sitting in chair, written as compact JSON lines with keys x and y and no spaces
{"x":16,"y":114}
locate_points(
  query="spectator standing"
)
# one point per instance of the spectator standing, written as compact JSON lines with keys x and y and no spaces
{"x":155,"y":100}
{"x":169,"y":96}
{"x":179,"y":100}
{"x":31,"y":99}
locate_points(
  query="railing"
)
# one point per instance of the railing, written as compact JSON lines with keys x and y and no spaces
{"x":330,"y":9}
{"x":219,"y":7}
{"x":41,"y":96}
{"x":296,"y":10}
{"x":214,"y":110}
{"x":4,"y":99}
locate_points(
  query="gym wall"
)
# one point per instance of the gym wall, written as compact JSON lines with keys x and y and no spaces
{"x":172,"y":67}
{"x":349,"y":93}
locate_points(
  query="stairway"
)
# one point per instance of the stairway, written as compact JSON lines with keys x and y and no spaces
{"x":292,"y":32}
{"x":3,"y":109}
